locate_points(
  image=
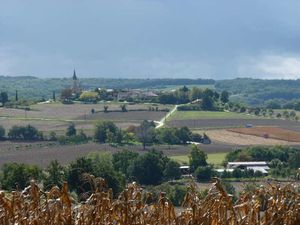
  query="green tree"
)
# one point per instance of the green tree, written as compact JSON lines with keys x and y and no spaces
{"x":27,"y":133}
{"x":3,"y":97}
{"x":54,"y":96}
{"x":207,"y":103}
{"x":71,"y":130}
{"x":146,"y":133}
{"x":172,"y":170}
{"x":18,"y":176}
{"x":293,"y":114}
{"x":148,"y":168}
{"x":102,"y":166}
{"x":123,"y":108}
{"x":55,"y":175}
{"x":17,"y":96}
{"x":184,"y":134}
{"x":195,"y":93}
{"x":197,"y":158}
{"x":123,"y":160}
{"x":2,"y":132}
{"x":203,"y":173}
{"x":294,"y":160}
{"x":224,"y":97}
{"x":75,"y":172}
{"x":167,"y":135}
{"x":105,"y":108}
{"x":104,"y":129}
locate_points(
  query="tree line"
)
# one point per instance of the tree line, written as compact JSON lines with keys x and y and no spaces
{"x":108,"y":132}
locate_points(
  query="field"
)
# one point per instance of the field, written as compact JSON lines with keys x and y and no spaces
{"x":56,"y":116}
{"x":42,"y":153}
{"x":231,"y":123}
{"x":213,"y":158}
{"x":236,"y":140}
{"x":270,"y":132}
{"x":203,"y":115}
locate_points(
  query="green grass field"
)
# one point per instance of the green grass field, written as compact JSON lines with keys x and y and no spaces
{"x":213,"y":158}
{"x":193,"y":115}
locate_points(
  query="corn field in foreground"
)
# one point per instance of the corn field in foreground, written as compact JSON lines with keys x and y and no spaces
{"x":266,"y":205}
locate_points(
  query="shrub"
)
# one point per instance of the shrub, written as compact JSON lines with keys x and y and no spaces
{"x":2,"y":132}
{"x":203,"y":173}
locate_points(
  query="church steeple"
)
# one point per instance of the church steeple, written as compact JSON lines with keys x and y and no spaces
{"x":76,"y":86}
{"x":74,"y":75}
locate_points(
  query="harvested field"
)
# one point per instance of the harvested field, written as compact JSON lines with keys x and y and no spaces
{"x":68,"y":112}
{"x":229,"y":123}
{"x":56,"y":117}
{"x":270,"y":132}
{"x":126,"y":116}
{"x":41,"y":153}
{"x":239,"y":139}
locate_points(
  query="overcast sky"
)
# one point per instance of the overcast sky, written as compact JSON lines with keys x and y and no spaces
{"x":217,"y":39}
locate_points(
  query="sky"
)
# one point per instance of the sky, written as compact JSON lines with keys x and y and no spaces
{"x":218,"y":39}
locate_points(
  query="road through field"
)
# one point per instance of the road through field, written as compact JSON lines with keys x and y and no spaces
{"x":161,"y":123}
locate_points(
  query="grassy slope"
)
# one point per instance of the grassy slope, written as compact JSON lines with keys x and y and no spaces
{"x":192,"y":115}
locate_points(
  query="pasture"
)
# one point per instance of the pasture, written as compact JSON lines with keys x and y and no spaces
{"x":213,"y":158}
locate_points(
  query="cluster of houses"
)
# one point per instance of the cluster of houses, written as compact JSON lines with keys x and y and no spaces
{"x":125,"y":94}
{"x":114,"y":94}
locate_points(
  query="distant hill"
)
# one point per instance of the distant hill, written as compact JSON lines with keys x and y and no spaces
{"x":37,"y":88}
{"x":250,"y":91}
{"x":256,"y":91}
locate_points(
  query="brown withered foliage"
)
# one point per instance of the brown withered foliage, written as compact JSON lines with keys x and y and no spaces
{"x":267,"y":205}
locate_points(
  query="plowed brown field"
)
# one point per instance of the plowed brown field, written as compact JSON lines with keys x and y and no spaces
{"x":270,"y":132}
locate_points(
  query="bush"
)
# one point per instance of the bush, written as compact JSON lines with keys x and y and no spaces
{"x":175,"y":193}
{"x":148,"y":168}
{"x":197,"y":158}
{"x":52,"y":136}
{"x":18,"y":176}
{"x":2,"y":132}
{"x":189,"y":107}
{"x":27,"y":133}
{"x":172,"y":170}
{"x":107,"y":131}
{"x":203,"y":173}
{"x":71,"y":130}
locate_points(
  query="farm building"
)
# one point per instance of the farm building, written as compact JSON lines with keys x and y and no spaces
{"x":255,"y":166}
{"x":185,"y":170}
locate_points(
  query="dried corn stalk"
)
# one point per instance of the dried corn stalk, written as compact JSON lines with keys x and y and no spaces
{"x":268,"y":205}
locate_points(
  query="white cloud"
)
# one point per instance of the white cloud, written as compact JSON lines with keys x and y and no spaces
{"x":5,"y":61}
{"x":272,"y":66}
